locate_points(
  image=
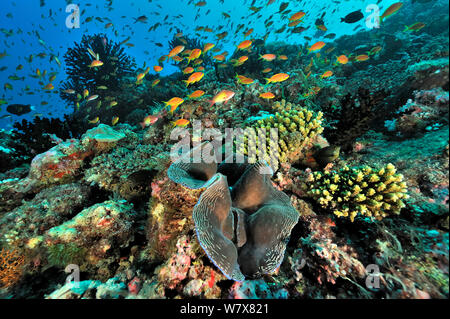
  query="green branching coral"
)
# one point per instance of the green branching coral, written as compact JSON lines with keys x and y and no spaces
{"x":296,"y":126}
{"x":352,"y":191}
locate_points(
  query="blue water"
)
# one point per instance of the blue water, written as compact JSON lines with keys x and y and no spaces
{"x":29,"y":22}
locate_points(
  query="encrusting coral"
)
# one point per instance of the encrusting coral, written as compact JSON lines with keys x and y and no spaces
{"x":243,"y":231}
{"x":351,"y":191}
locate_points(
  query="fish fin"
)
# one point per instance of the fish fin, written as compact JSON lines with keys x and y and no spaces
{"x":142,"y":125}
{"x":342,"y":19}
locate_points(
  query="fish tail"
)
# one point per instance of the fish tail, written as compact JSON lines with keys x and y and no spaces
{"x":342,"y":19}
{"x":268,"y":80}
{"x":211,"y":103}
{"x":406,"y":28}
{"x":142,"y":125}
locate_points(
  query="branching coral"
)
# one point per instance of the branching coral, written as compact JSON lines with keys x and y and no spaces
{"x":11,"y":263}
{"x":297,"y":128}
{"x":351,"y":191}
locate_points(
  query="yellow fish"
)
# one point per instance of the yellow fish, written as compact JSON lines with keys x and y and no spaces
{"x":95,"y":120}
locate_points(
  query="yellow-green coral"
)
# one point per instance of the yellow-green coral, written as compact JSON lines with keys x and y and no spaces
{"x":297,"y":127}
{"x":352,"y":191}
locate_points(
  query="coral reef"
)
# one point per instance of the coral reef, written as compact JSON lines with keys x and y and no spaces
{"x":325,"y":219}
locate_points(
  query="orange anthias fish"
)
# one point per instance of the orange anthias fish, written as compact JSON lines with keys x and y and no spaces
{"x":219,"y":57}
{"x":49,"y":87}
{"x":157,"y":68}
{"x":294,"y":23}
{"x":415,"y":27}
{"x":222,"y":35}
{"x":139,"y":78}
{"x":222,"y":97}
{"x":114,"y":120}
{"x":267,"y":95}
{"x":297,"y":16}
{"x":391,"y":10}
{"x":342,"y":59}
{"x":92,"y":97}
{"x":326,"y":74}
{"x":362,"y":57}
{"x":207,"y":47}
{"x":282,"y":57}
{"x":149,"y":120}
{"x":195,"y":77}
{"x":95,"y":120}
{"x":195,"y":54}
{"x":266,"y":70}
{"x":268,"y":57}
{"x":244,"y":45}
{"x":316,"y":46}
{"x":196,"y":94}
{"x":375,"y":50}
{"x":175,"y":51}
{"x":244,"y":80}
{"x":177,"y":58}
{"x":174,"y":103}
{"x":188,"y":70}
{"x":155,"y":82}
{"x":241,"y":60}
{"x":279,"y":77}
{"x":246,"y":34}
{"x":181,"y":123}
{"x":95,"y":63}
